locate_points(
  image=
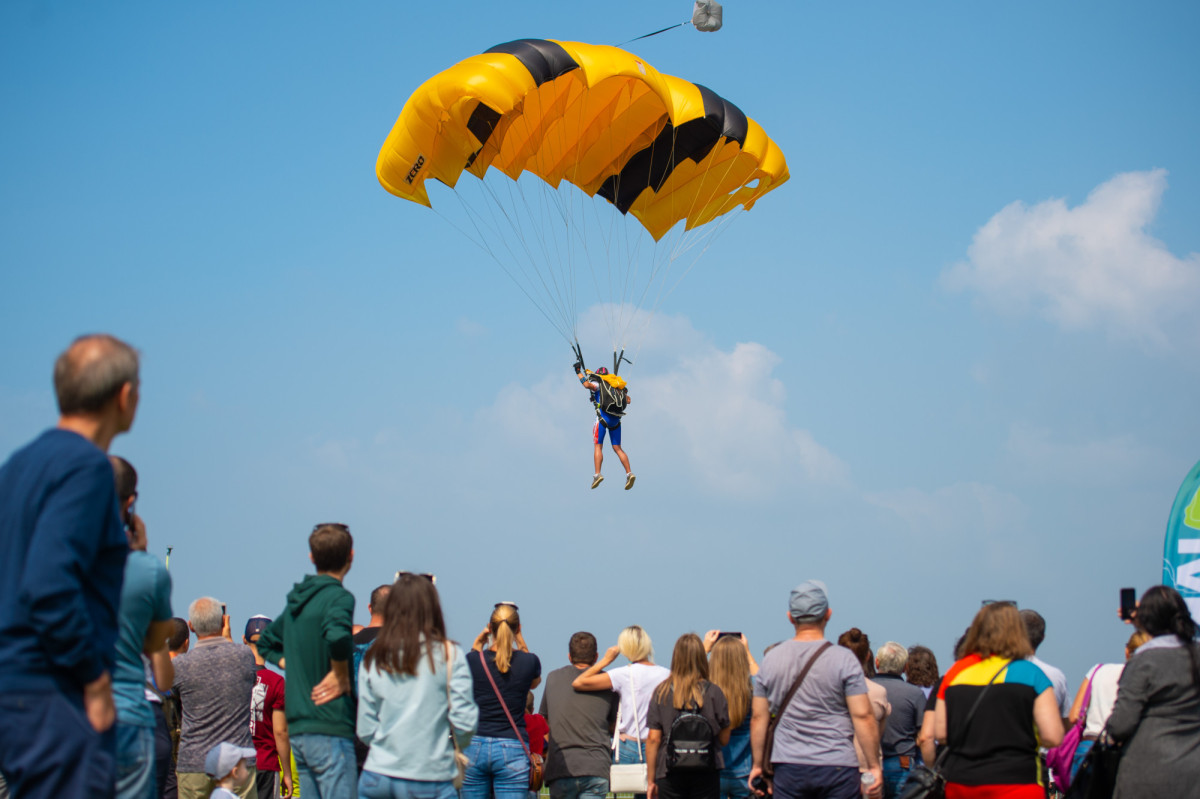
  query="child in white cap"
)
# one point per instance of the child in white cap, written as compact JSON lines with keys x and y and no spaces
{"x":226,"y":764}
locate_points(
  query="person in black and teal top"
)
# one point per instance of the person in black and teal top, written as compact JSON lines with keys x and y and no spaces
{"x":995,"y":752}
{"x":730,"y":667}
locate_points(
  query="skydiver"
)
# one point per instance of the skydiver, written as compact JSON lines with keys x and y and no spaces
{"x":604,"y":422}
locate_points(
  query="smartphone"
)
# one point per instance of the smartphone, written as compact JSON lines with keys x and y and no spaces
{"x":1128,"y":603}
{"x":129,"y":514}
{"x":722,"y":634}
{"x":223,"y":611}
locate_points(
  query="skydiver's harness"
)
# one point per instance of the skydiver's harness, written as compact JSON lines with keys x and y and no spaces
{"x":611,"y":394}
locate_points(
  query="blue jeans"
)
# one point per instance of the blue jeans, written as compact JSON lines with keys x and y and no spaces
{"x":630,"y":753}
{"x":794,"y":781}
{"x":135,"y":762}
{"x":1080,"y":753}
{"x":48,"y":748}
{"x":735,"y":787}
{"x":579,"y":788}
{"x":498,"y":768}
{"x":894,"y":776}
{"x":381,"y":786}
{"x":326,"y":766}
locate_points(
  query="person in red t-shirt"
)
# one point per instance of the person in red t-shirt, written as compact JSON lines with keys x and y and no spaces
{"x":268,"y":724}
{"x":537,"y":727}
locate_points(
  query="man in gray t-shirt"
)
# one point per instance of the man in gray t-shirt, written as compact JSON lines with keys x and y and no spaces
{"x":581,"y":727}
{"x":214,"y":681}
{"x":813,"y":751}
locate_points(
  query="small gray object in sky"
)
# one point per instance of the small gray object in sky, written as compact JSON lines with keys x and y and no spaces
{"x":706,"y":16}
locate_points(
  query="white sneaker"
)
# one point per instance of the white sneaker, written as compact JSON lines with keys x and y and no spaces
{"x":597,"y":479}
{"x":629,"y":478}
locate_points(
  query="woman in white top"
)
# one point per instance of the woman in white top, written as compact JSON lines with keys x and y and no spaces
{"x":1104,"y":679}
{"x":634,"y":684}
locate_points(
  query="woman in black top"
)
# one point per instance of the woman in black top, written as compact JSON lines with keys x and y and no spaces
{"x":499,"y":766}
{"x":686,"y":767}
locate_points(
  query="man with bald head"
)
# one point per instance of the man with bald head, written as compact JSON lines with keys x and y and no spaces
{"x":62,"y":561}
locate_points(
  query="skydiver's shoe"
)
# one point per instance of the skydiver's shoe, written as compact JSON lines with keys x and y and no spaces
{"x":629,"y":478}
{"x":597,"y":479}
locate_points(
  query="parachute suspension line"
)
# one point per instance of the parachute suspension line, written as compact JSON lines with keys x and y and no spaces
{"x":479,"y":243}
{"x":655,"y":33}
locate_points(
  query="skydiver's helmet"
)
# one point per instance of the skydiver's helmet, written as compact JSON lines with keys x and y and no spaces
{"x":602,"y":371}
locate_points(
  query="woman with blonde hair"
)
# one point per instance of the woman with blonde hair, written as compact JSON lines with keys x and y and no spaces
{"x":730,"y":667}
{"x":994,"y":709}
{"x":502,"y":674}
{"x":687,"y":705}
{"x":633,"y":684}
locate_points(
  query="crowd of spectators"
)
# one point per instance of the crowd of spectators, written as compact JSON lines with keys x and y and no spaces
{"x":107,"y":695}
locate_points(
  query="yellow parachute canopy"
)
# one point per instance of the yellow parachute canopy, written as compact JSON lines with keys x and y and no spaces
{"x":653,"y":145}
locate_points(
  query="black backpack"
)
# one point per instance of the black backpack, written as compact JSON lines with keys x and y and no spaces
{"x":691,"y":742}
{"x":609,"y":398}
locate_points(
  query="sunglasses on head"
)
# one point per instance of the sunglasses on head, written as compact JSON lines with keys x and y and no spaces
{"x":345,"y":528}
{"x":1009,"y":602}
{"x":430,"y":577}
{"x":512,"y":605}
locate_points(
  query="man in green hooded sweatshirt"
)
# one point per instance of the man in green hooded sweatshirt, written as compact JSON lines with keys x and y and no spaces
{"x":312,"y":640}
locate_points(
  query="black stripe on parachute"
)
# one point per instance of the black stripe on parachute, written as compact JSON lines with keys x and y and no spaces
{"x":694,"y":139}
{"x":545,"y":61}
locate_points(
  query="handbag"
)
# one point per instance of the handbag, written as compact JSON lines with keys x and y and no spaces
{"x":460,"y":760}
{"x":1062,"y":757}
{"x":1097,"y":775}
{"x":929,"y":782}
{"x":537,"y":765}
{"x":769,"y":744}
{"x":626,"y":777}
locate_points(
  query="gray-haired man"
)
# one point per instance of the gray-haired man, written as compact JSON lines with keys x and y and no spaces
{"x":900,"y":753}
{"x":215,"y":682}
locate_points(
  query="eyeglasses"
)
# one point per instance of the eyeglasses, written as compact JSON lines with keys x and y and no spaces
{"x":430,"y":577}
{"x":512,"y":605}
{"x":345,"y":528}
{"x":1009,"y":602}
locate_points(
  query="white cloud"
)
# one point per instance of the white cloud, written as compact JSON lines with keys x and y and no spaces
{"x":964,"y":511}
{"x":1093,"y":266}
{"x":716,"y":416}
{"x":1116,"y":460}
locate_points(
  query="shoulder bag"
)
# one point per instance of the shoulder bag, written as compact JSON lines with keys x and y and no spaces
{"x":769,"y":744}
{"x":1061,"y":757}
{"x":627,"y":777}
{"x":929,"y":782}
{"x":536,"y":764}
{"x":1097,"y":775}
{"x":460,"y":760}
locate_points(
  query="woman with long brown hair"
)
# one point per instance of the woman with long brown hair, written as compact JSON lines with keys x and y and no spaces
{"x":994,"y":753}
{"x":857,"y":642}
{"x":499,"y":763}
{"x":689,"y":723}
{"x":407,"y":705}
{"x":730,"y":667}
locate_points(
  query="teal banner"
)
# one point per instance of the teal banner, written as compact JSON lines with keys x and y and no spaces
{"x":1181,"y":552}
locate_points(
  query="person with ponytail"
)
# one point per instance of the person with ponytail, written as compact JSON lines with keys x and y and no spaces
{"x":857,"y":642}
{"x":688,"y":689}
{"x":730,"y":667}
{"x":407,"y":705}
{"x":1157,"y":712}
{"x":499,"y":766}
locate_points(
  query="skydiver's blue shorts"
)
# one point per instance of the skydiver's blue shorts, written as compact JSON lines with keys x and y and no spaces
{"x":598,"y":431}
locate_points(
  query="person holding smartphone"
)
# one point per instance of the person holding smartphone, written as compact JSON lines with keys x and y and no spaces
{"x":731,"y":667}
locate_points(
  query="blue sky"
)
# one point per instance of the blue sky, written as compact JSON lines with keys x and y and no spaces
{"x":953,"y":359}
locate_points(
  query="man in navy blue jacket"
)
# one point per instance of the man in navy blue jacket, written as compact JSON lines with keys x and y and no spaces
{"x":62,"y":561}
